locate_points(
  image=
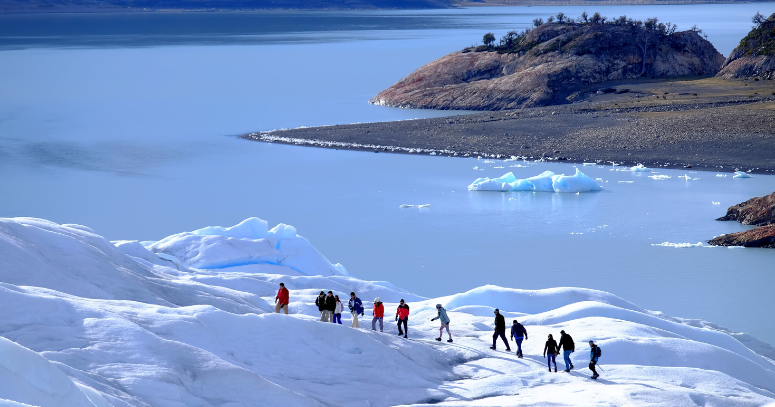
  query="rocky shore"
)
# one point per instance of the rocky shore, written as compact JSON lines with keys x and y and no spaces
{"x":758,"y":211}
{"x":709,"y":123}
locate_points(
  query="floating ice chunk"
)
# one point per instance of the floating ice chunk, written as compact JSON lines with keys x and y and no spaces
{"x":588,"y":164}
{"x":424,"y":206}
{"x":687,"y":177}
{"x":716,"y":203}
{"x":626,"y":182}
{"x":500,"y":166}
{"x":659,"y":177}
{"x":640,"y":168}
{"x":433,"y":153}
{"x":741,"y":174}
{"x":721,"y":175}
{"x":678,"y":245}
{"x":544,"y":182}
{"x":406,"y":206}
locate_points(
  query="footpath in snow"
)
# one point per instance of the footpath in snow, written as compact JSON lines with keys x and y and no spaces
{"x":189,"y":321}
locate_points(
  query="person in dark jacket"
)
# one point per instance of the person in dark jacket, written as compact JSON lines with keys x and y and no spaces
{"x":518,"y":333}
{"x":331,"y":305}
{"x":321,"y":303}
{"x":356,"y":307}
{"x":500,"y":330}
{"x":551,"y":349}
{"x":402,"y":316}
{"x":566,"y":342}
{"x":593,"y":359}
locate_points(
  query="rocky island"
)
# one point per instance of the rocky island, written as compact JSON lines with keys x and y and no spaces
{"x":758,"y":211}
{"x":755,"y":56}
{"x":551,"y":63}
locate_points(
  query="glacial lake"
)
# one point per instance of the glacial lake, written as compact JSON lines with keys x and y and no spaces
{"x":125,"y":123}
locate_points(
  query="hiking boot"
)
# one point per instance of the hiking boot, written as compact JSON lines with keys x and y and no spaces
{"x":448,"y":340}
{"x":550,"y":370}
{"x":492,"y":347}
{"x":555,"y":369}
{"x":508,"y":350}
{"x":438,"y":339}
{"x":571,"y":367}
{"x":566,"y":370}
{"x":404,"y":336}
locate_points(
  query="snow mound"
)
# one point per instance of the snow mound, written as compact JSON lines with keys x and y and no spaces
{"x":544,"y":182}
{"x":248,"y":243}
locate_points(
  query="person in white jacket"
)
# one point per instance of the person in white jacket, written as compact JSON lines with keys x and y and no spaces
{"x":337,"y":311}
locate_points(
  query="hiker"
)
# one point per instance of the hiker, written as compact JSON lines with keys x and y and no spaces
{"x":551,"y":347}
{"x":281,"y":299}
{"x":402,"y":316}
{"x":566,"y":342}
{"x":321,"y":303}
{"x":378,"y":312}
{"x":338,"y":311}
{"x":331,"y":305}
{"x":594,"y":355}
{"x":500,"y":330}
{"x":444,"y":319}
{"x":356,"y":307}
{"x":517,"y":330}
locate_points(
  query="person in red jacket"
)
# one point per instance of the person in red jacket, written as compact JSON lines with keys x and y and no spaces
{"x":402,"y":316}
{"x":281,"y":300}
{"x":379,"y":312}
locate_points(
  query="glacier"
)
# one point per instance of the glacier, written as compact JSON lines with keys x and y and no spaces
{"x":89,"y":322}
{"x":547,"y":181}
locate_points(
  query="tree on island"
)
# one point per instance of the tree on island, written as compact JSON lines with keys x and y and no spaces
{"x":488,"y":39}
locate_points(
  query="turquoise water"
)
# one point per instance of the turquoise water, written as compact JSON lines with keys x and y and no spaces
{"x":124,"y":123}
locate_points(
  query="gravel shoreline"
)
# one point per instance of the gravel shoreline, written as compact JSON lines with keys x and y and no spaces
{"x":700,"y":124}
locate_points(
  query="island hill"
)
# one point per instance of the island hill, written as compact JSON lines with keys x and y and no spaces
{"x":553,"y":64}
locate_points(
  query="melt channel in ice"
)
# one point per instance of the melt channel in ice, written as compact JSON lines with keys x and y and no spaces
{"x":547,"y":181}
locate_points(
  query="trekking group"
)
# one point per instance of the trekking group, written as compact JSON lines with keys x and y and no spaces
{"x":331,"y":307}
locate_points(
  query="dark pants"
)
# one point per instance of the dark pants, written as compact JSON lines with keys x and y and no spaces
{"x":502,"y":334}
{"x":405,"y":331}
{"x":337,"y":319}
{"x":592,"y":364}
{"x":519,"y":346}
{"x":550,"y":358}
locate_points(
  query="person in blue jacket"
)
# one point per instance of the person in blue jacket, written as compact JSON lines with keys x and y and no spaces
{"x":593,"y":357}
{"x":356,"y":308}
{"x":518,"y":333}
{"x":442,"y":316}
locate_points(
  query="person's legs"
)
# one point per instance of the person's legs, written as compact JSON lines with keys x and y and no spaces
{"x":448,"y":333}
{"x":494,"y":338}
{"x":566,"y":356}
{"x":406,"y":325}
{"x":328,"y":316}
{"x":374,"y":323}
{"x":277,"y":308}
{"x":441,"y":331}
{"x":519,"y":346}
{"x":592,"y":364}
{"x":400,"y":331}
{"x":322,"y":316}
{"x":338,"y":318}
{"x":355,"y":321}
{"x":380,"y":324}
{"x":503,"y":336}
{"x":285,"y":308}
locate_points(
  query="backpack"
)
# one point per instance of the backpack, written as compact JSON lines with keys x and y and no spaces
{"x":598,"y":352}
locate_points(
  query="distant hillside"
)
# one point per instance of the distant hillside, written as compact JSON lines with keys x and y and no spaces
{"x":150,"y":5}
{"x":548,"y":64}
{"x":754,"y":57}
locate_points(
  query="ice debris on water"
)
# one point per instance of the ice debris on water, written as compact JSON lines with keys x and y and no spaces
{"x":721,"y":175}
{"x":659,"y":177}
{"x":716,"y":203}
{"x":626,"y":182}
{"x":545,"y":182}
{"x":424,"y":206}
{"x":640,"y":168}
{"x":414,"y":206}
{"x":588,"y":164}
{"x":687,"y":177}
{"x":741,"y":174}
{"x":406,"y":206}
{"x":678,"y":245}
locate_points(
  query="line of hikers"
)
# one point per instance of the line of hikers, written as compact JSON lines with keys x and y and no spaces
{"x":331,"y":307}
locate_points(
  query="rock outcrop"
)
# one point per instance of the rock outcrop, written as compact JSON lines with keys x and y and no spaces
{"x":763,"y":236}
{"x":754,"y":57}
{"x":549,"y":64}
{"x":756,"y":211}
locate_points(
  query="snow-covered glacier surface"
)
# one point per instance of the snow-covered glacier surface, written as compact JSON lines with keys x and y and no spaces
{"x":547,"y":181}
{"x":188,"y":321}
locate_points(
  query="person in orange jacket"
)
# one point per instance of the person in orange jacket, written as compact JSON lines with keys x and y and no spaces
{"x":282,"y":299}
{"x":379,"y":312}
{"x":402,"y":316}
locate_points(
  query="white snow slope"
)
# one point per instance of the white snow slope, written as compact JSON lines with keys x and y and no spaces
{"x":188,"y":321}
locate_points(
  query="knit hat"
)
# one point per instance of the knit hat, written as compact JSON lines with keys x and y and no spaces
{"x":376,"y":300}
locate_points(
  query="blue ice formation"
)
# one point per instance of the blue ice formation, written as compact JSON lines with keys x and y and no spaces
{"x":545,"y":182}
